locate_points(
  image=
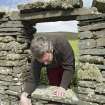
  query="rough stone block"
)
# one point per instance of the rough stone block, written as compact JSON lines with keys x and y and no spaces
{"x":100,"y":5}
{"x":99,"y":34}
{"x":87,"y":43}
{"x":92,"y":27}
{"x":95,"y":51}
{"x":86,"y":35}
{"x":100,"y":42}
{"x":92,"y":59}
{"x":87,"y":84}
{"x":5,"y":70}
{"x":46,"y":93}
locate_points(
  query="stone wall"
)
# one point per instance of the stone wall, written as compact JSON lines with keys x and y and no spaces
{"x":16,"y":33}
{"x":91,"y":83}
{"x":13,"y":58}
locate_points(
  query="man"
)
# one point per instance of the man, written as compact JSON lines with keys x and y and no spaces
{"x":56,"y":54}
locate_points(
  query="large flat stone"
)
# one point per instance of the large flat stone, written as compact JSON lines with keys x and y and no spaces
{"x":46,"y":93}
{"x":95,"y":51}
{"x":87,"y":84}
{"x":100,"y":42}
{"x":93,"y":98}
{"x":55,"y":15}
{"x":95,"y":26}
{"x":92,"y":59}
{"x":99,"y":34}
{"x":86,"y":35}
{"x":87,"y":43}
{"x":51,"y":5}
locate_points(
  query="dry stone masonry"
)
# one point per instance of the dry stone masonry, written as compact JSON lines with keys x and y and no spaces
{"x":16,"y":33}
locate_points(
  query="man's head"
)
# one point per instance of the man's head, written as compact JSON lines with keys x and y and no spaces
{"x":42,"y":49}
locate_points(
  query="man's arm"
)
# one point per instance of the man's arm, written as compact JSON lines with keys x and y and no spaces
{"x":68,"y":63}
{"x":33,"y":79}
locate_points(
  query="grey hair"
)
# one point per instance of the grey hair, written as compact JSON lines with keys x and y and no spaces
{"x":39,"y":45}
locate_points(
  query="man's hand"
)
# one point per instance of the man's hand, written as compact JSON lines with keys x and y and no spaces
{"x":24,"y":100}
{"x":60,"y":91}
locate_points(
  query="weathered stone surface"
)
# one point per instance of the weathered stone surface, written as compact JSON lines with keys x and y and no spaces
{"x":12,"y":63}
{"x":86,"y":103}
{"x":95,"y":51}
{"x":13,"y":56}
{"x":13,"y":24}
{"x":12,"y":46}
{"x":86,"y":35}
{"x":10,"y":33}
{"x":88,"y":71}
{"x":55,"y":15}
{"x":15,"y":88}
{"x":99,"y":4}
{"x":11,"y":29}
{"x":5,"y":70}
{"x":96,"y":26}
{"x":92,"y":59}
{"x":99,"y":34}
{"x":93,"y":98}
{"x":50,"y":4}
{"x":87,"y":43}
{"x":100,"y":42}
{"x":14,"y":15}
{"x":87,"y":91}
{"x":91,"y":17}
{"x":87,"y":84}
{"x":6,"y":39}
{"x":5,"y":77}
{"x":103,"y":74}
{"x":100,"y":88}
{"x":46,"y":93}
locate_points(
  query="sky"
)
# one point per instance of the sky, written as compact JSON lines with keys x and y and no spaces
{"x":65,"y":26}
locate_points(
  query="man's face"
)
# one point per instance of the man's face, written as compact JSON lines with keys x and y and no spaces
{"x":46,"y":58}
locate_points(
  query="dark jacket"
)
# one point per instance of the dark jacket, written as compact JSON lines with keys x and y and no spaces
{"x":63,"y":56}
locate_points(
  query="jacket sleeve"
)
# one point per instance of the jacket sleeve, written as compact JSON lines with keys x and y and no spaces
{"x":68,"y":63}
{"x":32,"y":80}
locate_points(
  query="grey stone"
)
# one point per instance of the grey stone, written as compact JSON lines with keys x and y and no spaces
{"x":87,"y":84}
{"x":15,"y":88}
{"x":103,"y":74}
{"x":13,"y":24}
{"x":12,"y":46}
{"x":5,"y":70}
{"x":95,"y":51}
{"x":100,"y":88}
{"x":99,"y":4}
{"x":46,"y":93}
{"x":95,"y":26}
{"x":50,"y":4}
{"x":13,"y":63}
{"x":92,"y":59}
{"x":101,"y":66}
{"x":13,"y":57}
{"x":87,"y":91}
{"x":99,"y":34}
{"x":6,"y":39}
{"x":10,"y":33}
{"x":90,"y":17}
{"x":100,"y":42}
{"x":11,"y":29}
{"x":93,"y":98}
{"x":7,"y":78}
{"x":86,"y":35}
{"x":87,"y":43}
{"x":86,"y":103}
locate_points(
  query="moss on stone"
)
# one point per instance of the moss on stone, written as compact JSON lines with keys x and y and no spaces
{"x":63,"y":4}
{"x":89,"y":72}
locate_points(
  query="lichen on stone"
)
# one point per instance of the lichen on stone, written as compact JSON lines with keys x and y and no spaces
{"x":88,"y":71}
